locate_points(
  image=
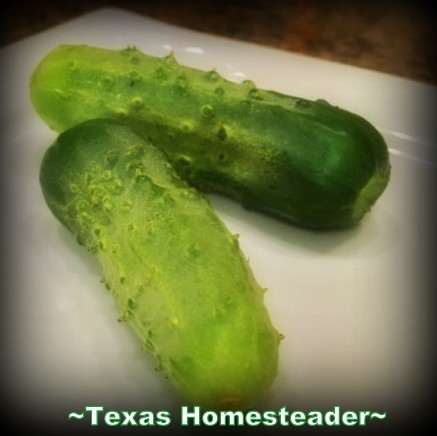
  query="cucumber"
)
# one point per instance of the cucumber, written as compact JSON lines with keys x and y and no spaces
{"x":175,"y":271}
{"x":305,"y":162}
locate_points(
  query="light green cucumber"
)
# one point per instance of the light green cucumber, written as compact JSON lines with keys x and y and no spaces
{"x":176,"y":272}
{"x":305,"y":162}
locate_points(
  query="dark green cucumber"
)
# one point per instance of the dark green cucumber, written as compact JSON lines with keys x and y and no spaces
{"x":305,"y":162}
{"x":176,"y":272}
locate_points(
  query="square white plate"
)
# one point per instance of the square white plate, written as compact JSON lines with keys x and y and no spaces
{"x":352,"y":304}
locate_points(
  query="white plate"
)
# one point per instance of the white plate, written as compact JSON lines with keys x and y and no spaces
{"x":351,"y":304}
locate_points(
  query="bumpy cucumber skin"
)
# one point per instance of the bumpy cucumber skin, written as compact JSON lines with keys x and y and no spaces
{"x":305,"y":162}
{"x":175,"y":271}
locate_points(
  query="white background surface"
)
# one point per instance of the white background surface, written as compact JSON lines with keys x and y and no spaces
{"x":351,"y":304}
